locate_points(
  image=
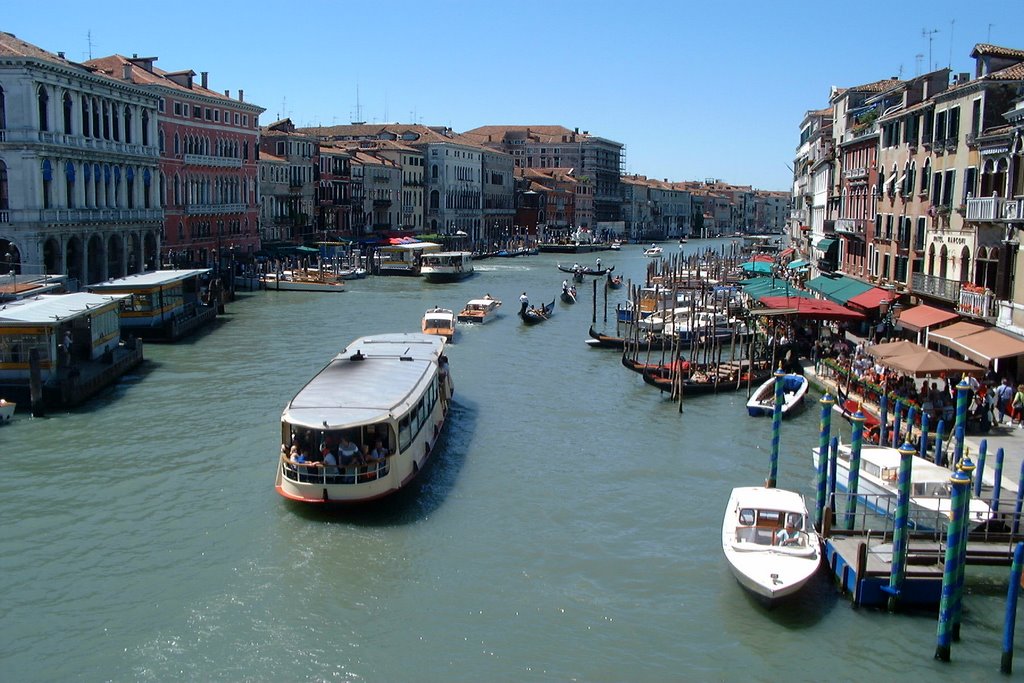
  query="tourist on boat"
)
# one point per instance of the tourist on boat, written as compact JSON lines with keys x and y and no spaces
{"x":330,"y":463}
{"x":347,"y":452}
{"x":379,"y":452}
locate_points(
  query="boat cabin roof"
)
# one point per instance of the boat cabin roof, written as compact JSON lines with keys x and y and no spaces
{"x":52,"y":309}
{"x":481,"y":303}
{"x":373,"y":379}
{"x":152,"y":278}
{"x":886,"y":458}
{"x":763,"y":498}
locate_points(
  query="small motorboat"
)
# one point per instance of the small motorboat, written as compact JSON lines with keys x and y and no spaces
{"x":479,"y":310}
{"x":569,"y":294}
{"x":616,"y":245}
{"x":771,"y":549}
{"x":534,"y":315}
{"x":6,"y":410}
{"x":762,"y":401}
{"x":439,"y":321}
{"x":653,"y":251}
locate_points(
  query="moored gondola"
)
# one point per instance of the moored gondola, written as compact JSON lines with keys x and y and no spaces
{"x":605,"y":341}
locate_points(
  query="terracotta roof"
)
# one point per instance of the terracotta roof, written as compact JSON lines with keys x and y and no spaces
{"x":982,"y":49}
{"x":424,"y":134}
{"x":540,"y":134}
{"x":878,"y":86}
{"x":265,"y":156}
{"x":13,"y":46}
{"x":1010,"y":73}
{"x":909,"y":110}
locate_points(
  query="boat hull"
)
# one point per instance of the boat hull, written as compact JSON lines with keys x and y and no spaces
{"x":762,"y":402}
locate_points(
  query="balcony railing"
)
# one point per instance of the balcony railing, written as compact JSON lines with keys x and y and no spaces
{"x":936,"y":287}
{"x":994,"y":209}
{"x":81,"y":142}
{"x":976,"y":302}
{"x":81,"y":215}
{"x":194,"y":209}
{"x":207,"y":160}
{"x":851,"y":226}
{"x":857,"y":173}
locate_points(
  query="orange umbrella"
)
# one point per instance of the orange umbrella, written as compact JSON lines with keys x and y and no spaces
{"x":929,"y":363}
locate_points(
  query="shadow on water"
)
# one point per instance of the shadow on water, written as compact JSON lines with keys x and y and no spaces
{"x":424,"y":495}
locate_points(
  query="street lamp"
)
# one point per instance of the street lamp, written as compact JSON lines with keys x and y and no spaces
{"x":889,"y":316}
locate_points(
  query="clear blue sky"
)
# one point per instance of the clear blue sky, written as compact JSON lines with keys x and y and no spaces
{"x":694,"y":90}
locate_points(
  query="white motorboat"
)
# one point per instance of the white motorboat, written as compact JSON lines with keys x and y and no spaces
{"x":297,"y":281}
{"x":762,"y":402}
{"x":6,"y":410}
{"x":656,"y":321}
{"x":653,"y":251}
{"x":616,"y":245}
{"x":388,"y":392}
{"x":439,"y":321}
{"x":930,"y":491}
{"x":479,"y":310}
{"x":771,"y":548}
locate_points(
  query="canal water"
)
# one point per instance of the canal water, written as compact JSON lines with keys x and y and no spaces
{"x":568,"y":529}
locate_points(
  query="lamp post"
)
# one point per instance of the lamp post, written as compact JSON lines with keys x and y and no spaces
{"x":889,"y":316}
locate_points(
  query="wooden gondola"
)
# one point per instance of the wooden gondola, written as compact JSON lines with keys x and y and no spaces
{"x":586,"y":270}
{"x":614,"y":282}
{"x":702,"y":380}
{"x":534,"y":315}
{"x":577,"y":277}
{"x":569,"y":295}
{"x":605,"y":341}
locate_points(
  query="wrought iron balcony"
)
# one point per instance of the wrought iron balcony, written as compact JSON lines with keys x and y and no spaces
{"x":194,"y":209}
{"x":936,"y":287}
{"x":84,"y":215}
{"x":208,"y":160}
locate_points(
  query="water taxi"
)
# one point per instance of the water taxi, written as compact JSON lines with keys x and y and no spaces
{"x":439,"y":321}
{"x":771,"y":549}
{"x":479,"y":310}
{"x":446,"y":266}
{"x":297,"y":281}
{"x":6,"y":410}
{"x":367,"y":423}
{"x":653,"y":251}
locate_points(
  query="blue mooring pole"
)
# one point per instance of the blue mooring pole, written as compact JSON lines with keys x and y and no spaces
{"x":1020,"y":500}
{"x":900,"y":538}
{"x":853,"y":476}
{"x":883,"y":417}
{"x":824,"y":432}
{"x":1010,"y":621}
{"x":924,"y":435}
{"x":939,"y":458}
{"x":897,"y":414}
{"x":962,"y":390}
{"x":780,"y":398}
{"x":833,"y":458}
{"x":982,"y":452}
{"x":967,"y":467}
{"x":997,"y":486}
{"x":911,"y":414}
{"x":959,"y":482}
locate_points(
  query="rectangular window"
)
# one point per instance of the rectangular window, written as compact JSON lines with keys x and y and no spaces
{"x":216,"y":115}
{"x":177,"y":108}
{"x":161,"y":105}
{"x":928,"y":121}
{"x":919,"y":235}
{"x":940,"y":126}
{"x":954,"y":124}
{"x":970,"y":178}
{"x":975,"y":118}
{"x":197,"y":111}
{"x":947,"y":189}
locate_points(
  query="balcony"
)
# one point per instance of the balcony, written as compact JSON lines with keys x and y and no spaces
{"x":80,"y":142}
{"x":856,"y":173}
{"x":851,"y":226}
{"x":977,"y":302}
{"x":82,"y":215}
{"x":990,"y":209}
{"x":936,"y":287}
{"x":199,"y":209}
{"x":207,"y":160}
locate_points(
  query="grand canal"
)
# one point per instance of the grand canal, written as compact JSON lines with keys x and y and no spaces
{"x":569,"y":528}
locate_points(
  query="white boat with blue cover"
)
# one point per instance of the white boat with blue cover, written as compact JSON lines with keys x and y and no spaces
{"x":771,"y":548}
{"x":762,"y":401}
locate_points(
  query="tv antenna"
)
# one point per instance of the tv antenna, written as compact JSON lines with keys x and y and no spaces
{"x":952,"y":27}
{"x":988,"y":38}
{"x":928,"y":34}
{"x":917,"y":63}
{"x":88,"y":41}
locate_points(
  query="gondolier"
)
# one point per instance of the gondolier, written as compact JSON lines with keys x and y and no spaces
{"x":524,"y":303}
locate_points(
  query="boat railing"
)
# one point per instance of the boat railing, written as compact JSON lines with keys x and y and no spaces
{"x":318,"y":473}
{"x":877,"y":512}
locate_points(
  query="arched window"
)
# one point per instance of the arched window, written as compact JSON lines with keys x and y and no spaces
{"x":931,"y":259}
{"x":965,"y":264}
{"x":127,"y":124}
{"x":177,"y":191}
{"x":177,"y":144}
{"x":69,"y":112}
{"x":106,"y":119}
{"x":433,"y":171}
{"x":115,"y":122}
{"x":145,"y":128}
{"x":4,"y":202}
{"x":926,"y":176}
{"x":3,"y":110}
{"x":43,"y":100}
{"x":69,"y":185}
{"x":943,"y":262}
{"x":96,"y":130}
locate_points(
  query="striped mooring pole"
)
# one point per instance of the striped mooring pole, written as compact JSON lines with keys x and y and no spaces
{"x":780,"y":398}
{"x":883,"y":418}
{"x":833,"y":458}
{"x":982,"y":452}
{"x":1010,"y":621}
{"x":967,"y":467}
{"x":1020,"y":500}
{"x":900,"y":538}
{"x":924,"y":435}
{"x":962,"y":390}
{"x":824,"y":432}
{"x":997,"y":486}
{"x":897,"y":414}
{"x":853,"y":477}
{"x":959,"y":482}
{"x":939,"y":458}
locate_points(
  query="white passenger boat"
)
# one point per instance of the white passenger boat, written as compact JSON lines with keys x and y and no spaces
{"x":479,"y":310}
{"x":439,"y":321}
{"x":771,"y":548}
{"x":762,"y":402}
{"x":390,"y":388}
{"x":929,"y":486}
{"x":297,"y":281}
{"x":653,"y":251}
{"x":6,"y":410}
{"x":446,"y":266}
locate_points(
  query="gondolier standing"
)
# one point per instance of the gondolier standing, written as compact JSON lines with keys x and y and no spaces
{"x":524,"y":303}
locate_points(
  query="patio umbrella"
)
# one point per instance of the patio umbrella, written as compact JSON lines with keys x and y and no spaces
{"x":901,"y":347}
{"x":929,"y":362}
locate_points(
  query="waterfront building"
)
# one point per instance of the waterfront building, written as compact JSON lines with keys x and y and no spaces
{"x":599,"y":159}
{"x":557,"y":200}
{"x":334,"y":193}
{"x":771,"y":211}
{"x":376,"y":191}
{"x":637,"y":209}
{"x":498,"y":191}
{"x":807,"y":225}
{"x":300,"y":152}
{"x":79,"y":168}
{"x":207,"y":177}
{"x":275,"y":219}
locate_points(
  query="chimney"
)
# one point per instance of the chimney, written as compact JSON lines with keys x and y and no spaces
{"x":241,"y":95}
{"x":135,"y":55}
{"x":61,"y":55}
{"x":205,"y":76}
{"x":126,"y":71}
{"x":227,"y":94}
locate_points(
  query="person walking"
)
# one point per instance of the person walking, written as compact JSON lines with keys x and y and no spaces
{"x":1004,"y":394}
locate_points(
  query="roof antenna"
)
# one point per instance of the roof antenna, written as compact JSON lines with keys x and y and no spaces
{"x":952,"y":25}
{"x":928,"y":34}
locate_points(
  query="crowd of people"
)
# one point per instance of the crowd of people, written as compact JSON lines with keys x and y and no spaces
{"x":337,"y":453}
